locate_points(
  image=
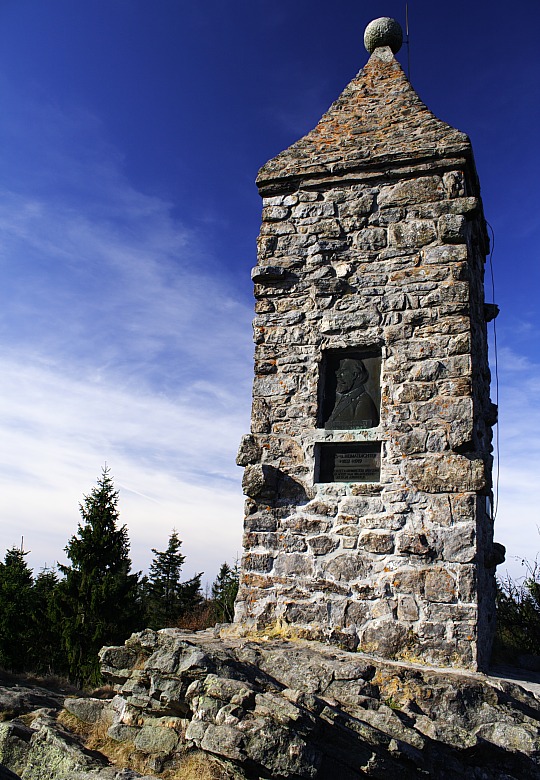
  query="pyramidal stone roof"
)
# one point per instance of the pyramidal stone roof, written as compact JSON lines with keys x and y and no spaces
{"x":377,"y":120}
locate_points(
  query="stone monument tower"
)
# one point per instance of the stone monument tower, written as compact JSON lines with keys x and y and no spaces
{"x":368,"y":467}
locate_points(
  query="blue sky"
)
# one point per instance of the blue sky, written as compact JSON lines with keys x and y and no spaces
{"x":131,"y":133}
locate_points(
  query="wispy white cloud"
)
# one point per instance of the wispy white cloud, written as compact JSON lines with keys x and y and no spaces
{"x":173,"y":462}
{"x":123,"y":342}
{"x":519,"y":422}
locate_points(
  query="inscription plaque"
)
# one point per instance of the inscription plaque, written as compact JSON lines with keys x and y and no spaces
{"x":350,"y":462}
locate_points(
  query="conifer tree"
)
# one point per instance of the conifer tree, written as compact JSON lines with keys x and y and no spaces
{"x":15,"y":611}
{"x":47,"y":654}
{"x":224,"y":590}
{"x":98,"y":597}
{"x":167,"y":598}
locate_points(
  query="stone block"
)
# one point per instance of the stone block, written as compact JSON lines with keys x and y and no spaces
{"x":396,"y":301}
{"x":413,"y":442}
{"x":446,"y":255}
{"x":379,"y":542}
{"x":459,"y":345}
{"x":414,"y":233}
{"x":275,"y":213}
{"x":253,"y":539}
{"x":387,"y":216}
{"x":257,"y":581}
{"x":437,"y":441}
{"x":259,"y":481}
{"x":281,"y":200}
{"x":277,"y":228}
{"x":458,"y":614}
{"x":262,"y":562}
{"x":249,"y":452}
{"x":155,"y":739}
{"x":305,"y":524}
{"x":463,"y":507}
{"x":345,"y":567}
{"x":418,"y":544}
{"x":294,"y":564}
{"x":321,"y":545}
{"x":359,"y":506}
{"x":408,"y":580}
{"x":356,"y":613}
{"x":294,"y":543}
{"x":352,"y":206}
{"x":326,"y":228}
{"x":340,"y":323}
{"x":440,"y":586}
{"x":260,"y":416}
{"x":305,"y":612}
{"x":371,"y":238}
{"x":384,"y":637}
{"x":407,"y":608}
{"x":461,"y":432}
{"x":455,"y":292}
{"x":413,"y":392}
{"x":439,"y":510}
{"x":459,"y":543}
{"x":410,"y":191}
{"x":350,"y":531}
{"x":263,"y":520}
{"x":446,"y":472}
{"x":384,"y":607}
{"x":454,"y":183}
{"x":318,"y":507}
{"x":452,"y":228}
{"x":448,"y":409}
{"x":389,"y":522}
{"x":314,"y":209}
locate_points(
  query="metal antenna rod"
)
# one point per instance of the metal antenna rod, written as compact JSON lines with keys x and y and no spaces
{"x":407,"y":39}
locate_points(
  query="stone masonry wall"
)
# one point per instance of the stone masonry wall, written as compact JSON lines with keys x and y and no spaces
{"x":396,"y":566}
{"x":382,"y":253}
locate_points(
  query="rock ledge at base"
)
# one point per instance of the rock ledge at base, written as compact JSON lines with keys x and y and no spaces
{"x":274,"y":708}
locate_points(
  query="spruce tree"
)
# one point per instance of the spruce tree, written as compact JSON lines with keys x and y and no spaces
{"x":98,"y":597}
{"x":167,"y":598}
{"x":15,"y":611}
{"x":224,"y":590}
{"x":47,"y":653}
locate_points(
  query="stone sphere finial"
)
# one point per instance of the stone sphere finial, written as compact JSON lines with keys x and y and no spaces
{"x":383,"y":32}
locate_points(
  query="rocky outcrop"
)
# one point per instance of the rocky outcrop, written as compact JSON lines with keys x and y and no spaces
{"x":301,"y":709}
{"x":46,"y":751}
{"x":16,"y":699}
{"x":245,"y":708}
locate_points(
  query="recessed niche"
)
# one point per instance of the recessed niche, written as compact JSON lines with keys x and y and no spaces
{"x":349,"y":390}
{"x":358,"y":462}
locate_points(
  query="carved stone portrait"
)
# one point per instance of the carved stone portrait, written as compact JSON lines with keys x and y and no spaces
{"x":348,"y":394}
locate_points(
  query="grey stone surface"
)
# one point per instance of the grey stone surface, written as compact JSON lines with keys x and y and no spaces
{"x":373,"y":243}
{"x":88,"y":709}
{"x":17,"y":699}
{"x":289,"y":709}
{"x":306,"y":710}
{"x":383,"y":32}
{"x":46,"y":751}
